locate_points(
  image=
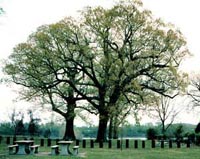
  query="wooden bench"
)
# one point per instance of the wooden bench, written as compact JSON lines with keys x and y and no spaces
{"x":75,"y":150}
{"x":54,"y":150}
{"x":11,"y":149}
{"x":34,"y":149}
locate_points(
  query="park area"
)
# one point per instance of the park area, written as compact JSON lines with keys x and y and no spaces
{"x":93,"y":150}
{"x":109,"y":81}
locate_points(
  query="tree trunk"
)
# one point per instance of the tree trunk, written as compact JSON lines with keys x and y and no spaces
{"x":115,"y":129}
{"x":69,"y":127}
{"x":103,"y":121}
{"x":110,"y":131}
{"x":163,"y":127}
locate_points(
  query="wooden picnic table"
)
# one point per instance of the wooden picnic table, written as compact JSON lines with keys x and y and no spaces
{"x":65,"y":147}
{"x":23,"y":146}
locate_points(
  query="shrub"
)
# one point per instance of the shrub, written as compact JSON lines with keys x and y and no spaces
{"x":179,"y":132}
{"x":151,"y":134}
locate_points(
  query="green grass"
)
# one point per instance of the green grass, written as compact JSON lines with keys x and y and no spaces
{"x":144,"y":154}
{"x":114,"y":153}
{"x":97,"y":153}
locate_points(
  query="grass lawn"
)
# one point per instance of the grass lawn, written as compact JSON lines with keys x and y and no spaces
{"x":114,"y":153}
{"x":105,"y":153}
{"x":144,"y":154}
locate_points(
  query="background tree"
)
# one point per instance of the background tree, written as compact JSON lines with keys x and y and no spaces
{"x":165,"y":111}
{"x":17,"y":122}
{"x":179,"y":132}
{"x":13,"y":119}
{"x":20,"y":128}
{"x":33,"y":126}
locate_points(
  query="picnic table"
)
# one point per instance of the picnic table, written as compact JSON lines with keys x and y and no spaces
{"x":23,"y":146}
{"x":65,"y":147}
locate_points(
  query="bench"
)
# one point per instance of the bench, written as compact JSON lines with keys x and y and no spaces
{"x":54,"y":150}
{"x":11,"y":149}
{"x":34,"y":149}
{"x":75,"y":150}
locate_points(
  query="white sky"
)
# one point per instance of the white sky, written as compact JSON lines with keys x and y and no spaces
{"x":24,"y":16}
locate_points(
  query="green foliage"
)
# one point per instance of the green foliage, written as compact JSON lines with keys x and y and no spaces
{"x":191,"y":136}
{"x":6,"y":128}
{"x":179,"y":132}
{"x":20,"y":128}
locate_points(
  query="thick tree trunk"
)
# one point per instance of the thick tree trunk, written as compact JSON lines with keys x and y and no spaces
{"x":103,"y":121}
{"x":69,"y":128}
{"x":69,"y":118}
{"x":70,"y":115}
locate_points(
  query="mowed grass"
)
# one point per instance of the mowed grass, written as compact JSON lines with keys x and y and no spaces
{"x":144,"y":154}
{"x":114,"y":153}
{"x":97,"y":153}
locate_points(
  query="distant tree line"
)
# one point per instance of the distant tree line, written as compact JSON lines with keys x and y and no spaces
{"x":149,"y":131}
{"x":17,"y":126}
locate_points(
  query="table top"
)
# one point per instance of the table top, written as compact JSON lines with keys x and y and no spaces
{"x":65,"y":142}
{"x":24,"y":141}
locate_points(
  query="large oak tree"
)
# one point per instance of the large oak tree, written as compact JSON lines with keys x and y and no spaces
{"x":40,"y":66}
{"x":131,"y":56}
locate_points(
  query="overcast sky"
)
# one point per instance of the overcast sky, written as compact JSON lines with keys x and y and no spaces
{"x":24,"y":16}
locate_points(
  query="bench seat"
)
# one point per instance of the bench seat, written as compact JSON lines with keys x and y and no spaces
{"x":34,"y":149}
{"x":75,"y":150}
{"x":12,"y":149}
{"x":54,"y":150}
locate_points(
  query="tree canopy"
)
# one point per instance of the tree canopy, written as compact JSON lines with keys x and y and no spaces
{"x":109,"y":58}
